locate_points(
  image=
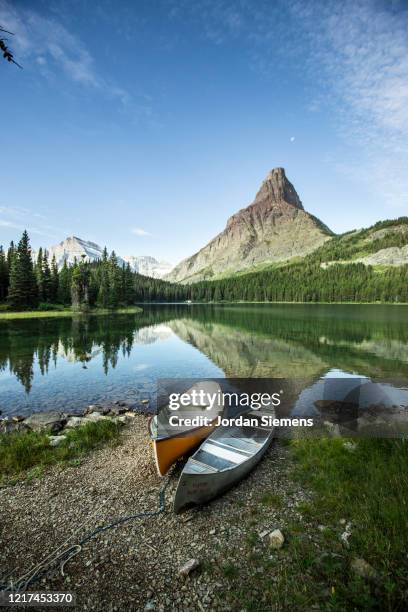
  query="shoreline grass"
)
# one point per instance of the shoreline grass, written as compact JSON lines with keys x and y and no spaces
{"x":367,"y":488}
{"x":362,"y":492}
{"x":27,"y":454}
{"x":42,"y":314}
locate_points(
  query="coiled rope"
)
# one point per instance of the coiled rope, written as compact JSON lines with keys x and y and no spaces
{"x":25,"y":581}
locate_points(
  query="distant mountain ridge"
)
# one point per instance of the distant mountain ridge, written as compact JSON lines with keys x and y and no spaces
{"x":148,"y":266}
{"x":274,"y":228}
{"x":76,"y":248}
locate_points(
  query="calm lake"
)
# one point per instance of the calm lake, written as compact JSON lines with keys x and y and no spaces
{"x":67,"y":364}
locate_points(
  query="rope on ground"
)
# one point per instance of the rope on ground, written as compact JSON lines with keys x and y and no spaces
{"x":23,"y":583}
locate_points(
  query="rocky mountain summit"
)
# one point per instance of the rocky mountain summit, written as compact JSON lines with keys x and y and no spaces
{"x":274,"y":228}
{"x":76,"y":248}
{"x":148,"y":266}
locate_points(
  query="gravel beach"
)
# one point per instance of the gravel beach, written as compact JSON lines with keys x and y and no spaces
{"x":136,"y":566}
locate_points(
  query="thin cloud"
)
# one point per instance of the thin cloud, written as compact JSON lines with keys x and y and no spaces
{"x":54,"y":49}
{"x":355,"y":55}
{"x":361,"y":54}
{"x":16,"y":218}
{"x":22,"y":227}
{"x":138,"y":231}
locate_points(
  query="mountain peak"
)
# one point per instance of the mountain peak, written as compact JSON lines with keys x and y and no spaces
{"x":274,"y":228}
{"x":276,"y":188}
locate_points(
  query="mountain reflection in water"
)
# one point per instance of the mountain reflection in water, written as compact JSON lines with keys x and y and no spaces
{"x":69,"y":363}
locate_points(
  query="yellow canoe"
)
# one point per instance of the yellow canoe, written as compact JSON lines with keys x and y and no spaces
{"x":167,"y":446}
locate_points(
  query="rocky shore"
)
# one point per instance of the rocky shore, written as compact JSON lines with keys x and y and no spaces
{"x":56,"y":422}
{"x":167,"y":562}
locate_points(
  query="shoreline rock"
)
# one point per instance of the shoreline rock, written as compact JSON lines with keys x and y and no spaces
{"x":56,"y":422}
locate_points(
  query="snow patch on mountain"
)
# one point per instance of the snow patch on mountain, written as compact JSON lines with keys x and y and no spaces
{"x":148,"y":266}
{"x":74,"y":248}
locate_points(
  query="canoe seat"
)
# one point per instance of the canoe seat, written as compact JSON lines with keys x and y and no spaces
{"x":246,"y":446}
{"x":196,"y":467}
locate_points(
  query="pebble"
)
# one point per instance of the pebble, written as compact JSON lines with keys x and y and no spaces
{"x":188,"y":567}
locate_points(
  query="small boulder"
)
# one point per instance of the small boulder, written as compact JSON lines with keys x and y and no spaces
{"x":276,"y":539}
{"x":117,"y":410}
{"x":104,"y":410}
{"x":95,"y":416}
{"x":56,"y":440}
{"x":46,"y":420}
{"x":363,"y":569}
{"x":8,"y":426}
{"x":57,"y":426}
{"x":74,"y":421}
{"x":189,"y":567}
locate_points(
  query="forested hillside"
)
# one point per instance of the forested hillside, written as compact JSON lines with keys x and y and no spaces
{"x":308,"y":282}
{"x":359,"y":244}
{"x":26,"y":284}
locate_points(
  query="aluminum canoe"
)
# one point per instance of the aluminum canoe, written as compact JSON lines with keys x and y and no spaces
{"x":228,"y":455}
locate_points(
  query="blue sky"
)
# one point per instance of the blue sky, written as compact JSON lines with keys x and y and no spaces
{"x":144,"y":125}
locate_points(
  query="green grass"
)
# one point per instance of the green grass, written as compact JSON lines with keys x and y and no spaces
{"x":230,"y":570}
{"x":41,"y":314}
{"x":272,"y":500}
{"x":367,"y":488}
{"x":28,"y":453}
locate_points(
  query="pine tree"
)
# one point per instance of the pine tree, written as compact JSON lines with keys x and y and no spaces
{"x":64,"y":285}
{"x":80,"y":285}
{"x":103,"y":298}
{"x":10,"y":254}
{"x":47,"y":277}
{"x":4,"y":275}
{"x":23,"y":287}
{"x":114,"y":280}
{"x":54,"y":280}
{"x":127,"y":285}
{"x":39,"y":274}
